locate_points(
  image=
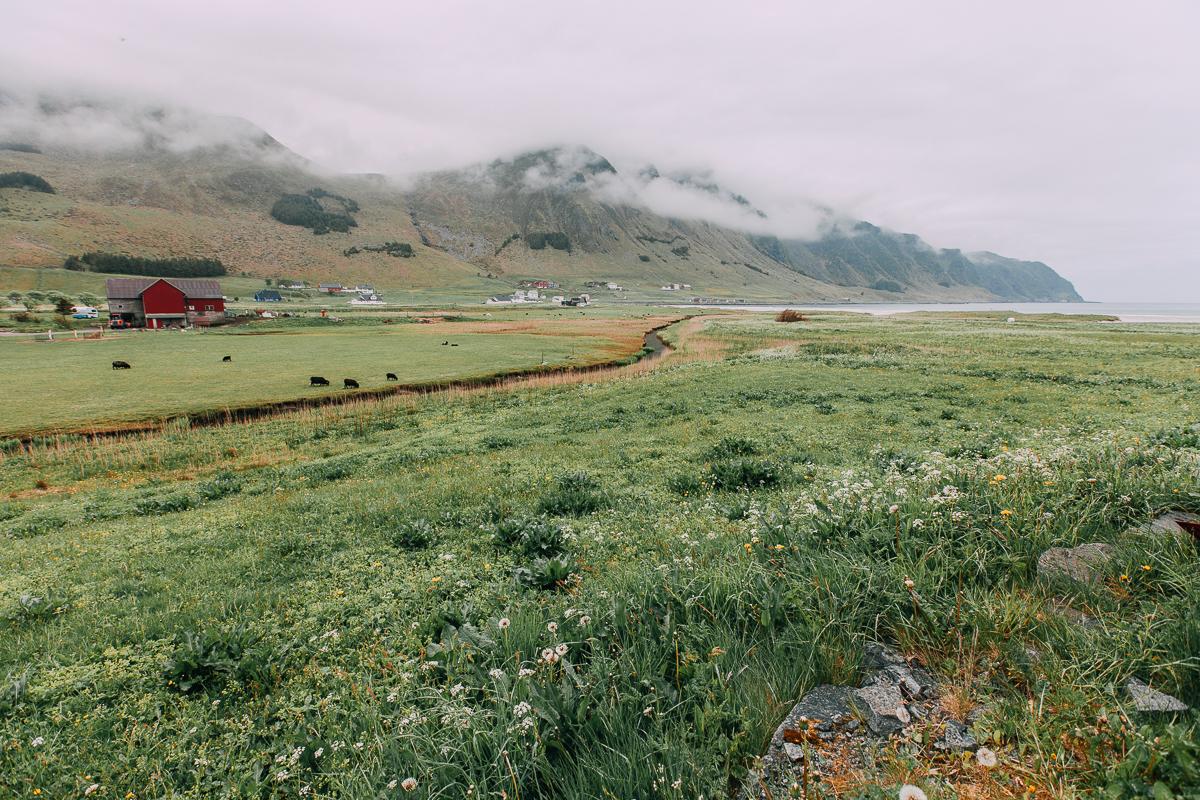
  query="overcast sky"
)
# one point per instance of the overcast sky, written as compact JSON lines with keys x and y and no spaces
{"x":1067,"y":132}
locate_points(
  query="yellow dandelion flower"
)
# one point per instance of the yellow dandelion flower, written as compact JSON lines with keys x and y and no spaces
{"x":1124,"y":577}
{"x":1000,"y":477}
{"x":1006,"y":513}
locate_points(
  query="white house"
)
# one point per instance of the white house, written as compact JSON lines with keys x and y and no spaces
{"x":367,"y":299}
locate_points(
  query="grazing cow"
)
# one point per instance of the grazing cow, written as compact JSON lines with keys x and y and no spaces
{"x":227,"y":359}
{"x":445,"y":343}
{"x":317,"y":380}
{"x":349,"y":383}
{"x":121,"y":365}
{"x":454,"y":344}
{"x":391,"y":376}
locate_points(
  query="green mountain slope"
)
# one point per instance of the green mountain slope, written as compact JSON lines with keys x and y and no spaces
{"x":566,"y":214}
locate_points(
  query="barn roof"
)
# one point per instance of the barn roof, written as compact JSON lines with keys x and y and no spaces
{"x":129,"y":288}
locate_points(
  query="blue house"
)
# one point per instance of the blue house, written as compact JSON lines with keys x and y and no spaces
{"x":268,"y":296}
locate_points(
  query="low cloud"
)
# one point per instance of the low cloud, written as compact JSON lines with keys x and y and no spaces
{"x":113,"y":124}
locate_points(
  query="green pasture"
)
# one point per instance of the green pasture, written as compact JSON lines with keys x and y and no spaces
{"x":70,"y":383}
{"x":609,"y":589}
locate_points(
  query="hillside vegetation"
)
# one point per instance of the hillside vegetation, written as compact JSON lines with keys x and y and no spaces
{"x":618,"y":588}
{"x":25,"y":180}
{"x":555,"y":214}
{"x":156,"y":267}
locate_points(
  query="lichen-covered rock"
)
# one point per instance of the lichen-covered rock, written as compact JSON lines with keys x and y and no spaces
{"x":883,"y":706}
{"x":1152,"y":701}
{"x":1081,"y":564}
{"x":956,"y":737}
{"x":782,"y":765}
{"x":891,"y":667}
{"x":1177,"y":524}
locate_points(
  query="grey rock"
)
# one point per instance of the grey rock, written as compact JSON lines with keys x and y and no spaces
{"x":1072,"y":614}
{"x":784,"y":762}
{"x":891,"y":667}
{"x":976,"y":714}
{"x":1177,"y":524}
{"x":883,"y":707}
{"x":877,"y":656}
{"x":956,"y":737}
{"x":822,"y":704}
{"x":1081,"y":564}
{"x":1151,"y":701}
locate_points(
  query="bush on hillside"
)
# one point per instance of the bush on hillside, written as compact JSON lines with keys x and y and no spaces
{"x":306,"y":211}
{"x":540,"y":241}
{"x":887,"y":286}
{"x":25,"y":180}
{"x":151,"y":267}
{"x":393,"y":249}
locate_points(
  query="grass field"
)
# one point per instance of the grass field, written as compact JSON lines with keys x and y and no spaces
{"x":618,"y":587}
{"x":69,"y":383}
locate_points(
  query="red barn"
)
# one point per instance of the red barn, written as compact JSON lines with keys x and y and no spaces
{"x":164,"y":302}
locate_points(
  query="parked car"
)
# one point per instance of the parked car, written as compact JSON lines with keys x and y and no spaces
{"x":85,"y":315}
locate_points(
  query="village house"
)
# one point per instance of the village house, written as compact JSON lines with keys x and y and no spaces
{"x":330,"y":288}
{"x":163,"y":302}
{"x":268,"y":296}
{"x":367,"y":298}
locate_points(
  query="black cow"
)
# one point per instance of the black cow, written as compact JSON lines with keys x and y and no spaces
{"x":317,"y":380}
{"x":349,"y":383}
{"x":121,"y":365}
{"x":454,"y":344}
{"x":391,"y":376}
{"x":445,"y":343}
{"x":227,"y":359}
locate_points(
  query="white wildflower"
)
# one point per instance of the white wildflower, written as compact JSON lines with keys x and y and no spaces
{"x":561,"y":650}
{"x":37,"y":742}
{"x":503,"y":623}
{"x":985,"y":757}
{"x":496,"y":674}
{"x":910,"y":792}
{"x":408,"y":784}
{"x":552,"y":627}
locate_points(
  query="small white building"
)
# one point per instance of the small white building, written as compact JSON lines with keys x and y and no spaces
{"x":367,"y":299}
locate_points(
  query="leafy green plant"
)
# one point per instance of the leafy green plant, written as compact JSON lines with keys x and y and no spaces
{"x":743,"y":473}
{"x":412,"y":534}
{"x":574,"y":494}
{"x":31,"y":609}
{"x":545,"y":573}
{"x":206,"y":660}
